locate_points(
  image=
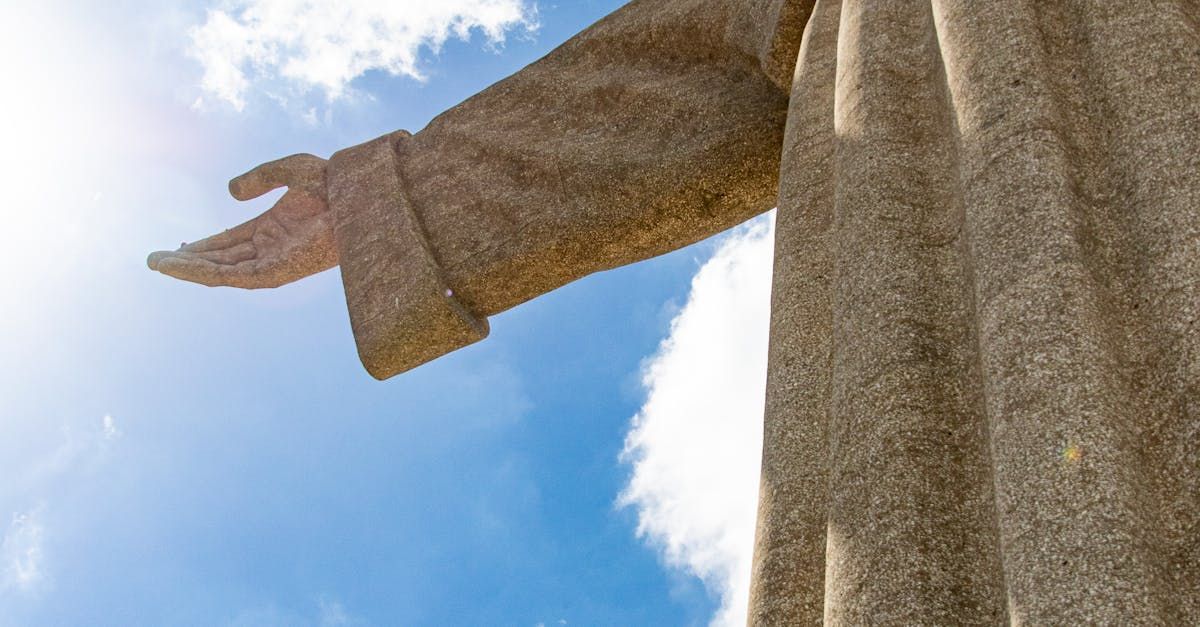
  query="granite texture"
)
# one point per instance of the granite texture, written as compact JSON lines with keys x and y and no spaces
{"x":402,"y":311}
{"x":983,"y":399}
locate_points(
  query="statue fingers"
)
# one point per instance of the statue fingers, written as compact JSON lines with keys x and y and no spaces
{"x":271,"y":256}
{"x":195,"y":268}
{"x":228,"y":238}
{"x":244,"y":251}
{"x":252,"y":273}
{"x":292,"y":170}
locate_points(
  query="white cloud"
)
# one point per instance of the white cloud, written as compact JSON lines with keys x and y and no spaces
{"x":695,"y":445}
{"x":290,"y":45}
{"x":21,"y":554}
{"x":111,"y":432}
{"x":82,"y":449}
{"x":332,"y":613}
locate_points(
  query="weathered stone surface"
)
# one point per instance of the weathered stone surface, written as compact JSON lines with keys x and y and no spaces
{"x":984,"y":384}
{"x":983,"y":395}
{"x":401,"y":309}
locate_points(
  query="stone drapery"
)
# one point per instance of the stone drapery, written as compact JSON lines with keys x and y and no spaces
{"x":983,"y":395}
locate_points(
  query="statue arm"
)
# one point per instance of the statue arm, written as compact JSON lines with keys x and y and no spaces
{"x":651,"y":130}
{"x":645,"y":133}
{"x":656,"y":127}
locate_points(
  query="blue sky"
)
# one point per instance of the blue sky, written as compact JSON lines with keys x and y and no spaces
{"x":178,"y":455}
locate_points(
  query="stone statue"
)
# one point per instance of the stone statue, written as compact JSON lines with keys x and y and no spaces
{"x":984,"y":391}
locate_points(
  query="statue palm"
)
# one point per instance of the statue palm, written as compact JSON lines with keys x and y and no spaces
{"x":289,"y":241}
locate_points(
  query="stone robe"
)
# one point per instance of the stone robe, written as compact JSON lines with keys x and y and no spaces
{"x":983,"y":398}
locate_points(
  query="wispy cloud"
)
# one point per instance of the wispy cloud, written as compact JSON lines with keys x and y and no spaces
{"x":329,"y":613}
{"x":323,"y":45}
{"x":83,"y":449}
{"x":695,"y":445}
{"x":332,"y":613}
{"x":109,"y":426}
{"x":21,"y":553}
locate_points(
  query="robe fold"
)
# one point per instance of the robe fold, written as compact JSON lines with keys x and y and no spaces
{"x":983,"y":400}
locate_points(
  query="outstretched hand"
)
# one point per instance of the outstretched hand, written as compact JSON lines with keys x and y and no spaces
{"x":291,"y":240}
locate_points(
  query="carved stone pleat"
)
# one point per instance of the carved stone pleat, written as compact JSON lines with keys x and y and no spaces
{"x":1145,"y":58}
{"x":911,"y":531}
{"x":788,"y":581}
{"x":984,"y":381}
{"x":1075,"y":533}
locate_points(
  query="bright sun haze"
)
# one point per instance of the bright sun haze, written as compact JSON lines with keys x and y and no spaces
{"x":177,"y":455}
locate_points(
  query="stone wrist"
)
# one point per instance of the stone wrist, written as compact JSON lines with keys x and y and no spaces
{"x":402,"y":311}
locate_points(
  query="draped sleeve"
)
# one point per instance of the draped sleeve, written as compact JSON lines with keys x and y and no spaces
{"x":656,"y":127}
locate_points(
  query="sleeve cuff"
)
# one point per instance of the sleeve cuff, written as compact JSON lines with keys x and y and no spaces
{"x":402,"y":311}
